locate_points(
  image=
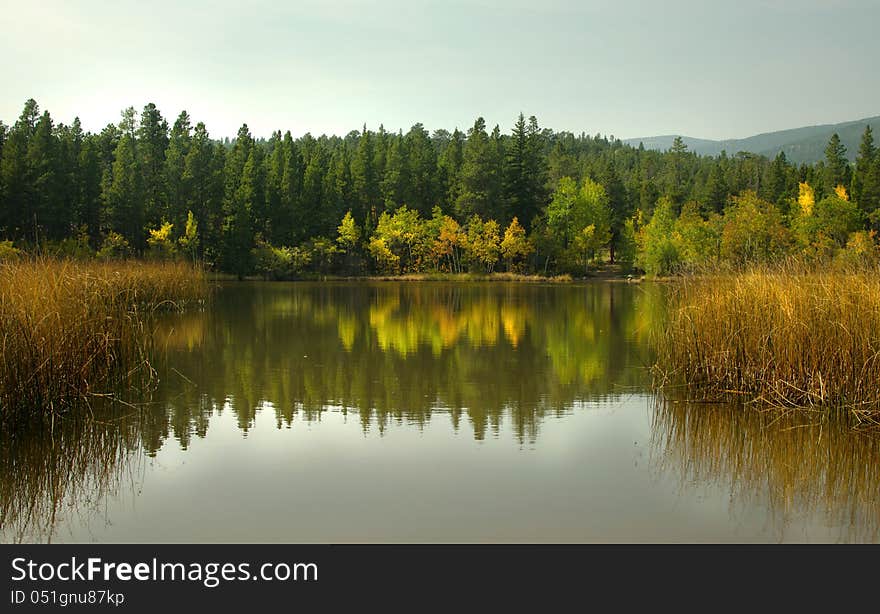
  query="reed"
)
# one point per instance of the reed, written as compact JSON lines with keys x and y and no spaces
{"x":787,"y":335}
{"x":72,"y":330}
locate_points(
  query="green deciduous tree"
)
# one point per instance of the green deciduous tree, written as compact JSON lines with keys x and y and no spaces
{"x":658,"y":252}
{"x":826,"y":228}
{"x":580,"y":219}
{"x":752,"y":230}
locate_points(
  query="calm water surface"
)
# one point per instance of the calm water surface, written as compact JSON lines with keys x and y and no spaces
{"x":435,"y":412}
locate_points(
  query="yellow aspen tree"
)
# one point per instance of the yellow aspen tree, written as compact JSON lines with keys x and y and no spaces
{"x":806,"y":198}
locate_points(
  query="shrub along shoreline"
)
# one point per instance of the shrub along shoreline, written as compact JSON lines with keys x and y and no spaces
{"x":72,"y":331}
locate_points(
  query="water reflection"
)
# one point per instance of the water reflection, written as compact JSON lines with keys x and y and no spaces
{"x":70,"y":470}
{"x":466,"y":398}
{"x":403,"y":352}
{"x":794,"y":464}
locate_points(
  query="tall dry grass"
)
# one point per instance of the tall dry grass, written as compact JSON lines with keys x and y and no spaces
{"x":71,"y":330}
{"x":788,"y":335}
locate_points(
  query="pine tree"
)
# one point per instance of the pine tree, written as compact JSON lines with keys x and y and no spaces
{"x":212,"y":228}
{"x":421,"y":165}
{"x":4,"y":214}
{"x":123,"y":193}
{"x":617,"y":201}
{"x":475,"y":177}
{"x":234,"y":168}
{"x":175,"y":195}
{"x":715,"y":191}
{"x":45,"y":178}
{"x":495,"y":161}
{"x":380,"y":153}
{"x":395,"y":184}
{"x":560,"y":161}
{"x":335,"y":193}
{"x":4,"y":130}
{"x":516,"y":180}
{"x":536,"y":160}
{"x":776,"y":186}
{"x":238,"y":226}
{"x":363,"y":176}
{"x":274,"y":178}
{"x":70,"y":140}
{"x":863,"y":191}
{"x":649,"y":194}
{"x":152,"y":135}
{"x":676,"y":172}
{"x":88,"y":207}
{"x":198,"y":191}
{"x":449,"y":168}
{"x":258,"y":204}
{"x":870,"y":193}
{"x":312,"y":192}
{"x":17,"y":210}
{"x":292,"y":216}
{"x":837,"y":170}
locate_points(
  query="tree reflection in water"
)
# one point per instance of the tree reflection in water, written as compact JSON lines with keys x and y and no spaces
{"x":404,"y":352}
{"x":494,"y":357}
{"x":389,"y":353}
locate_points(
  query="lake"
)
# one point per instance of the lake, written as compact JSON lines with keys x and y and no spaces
{"x":431,"y":412}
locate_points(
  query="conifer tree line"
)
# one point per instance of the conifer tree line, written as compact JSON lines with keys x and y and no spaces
{"x":372,"y":201}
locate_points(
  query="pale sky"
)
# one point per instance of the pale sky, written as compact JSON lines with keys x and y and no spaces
{"x":711,"y":69}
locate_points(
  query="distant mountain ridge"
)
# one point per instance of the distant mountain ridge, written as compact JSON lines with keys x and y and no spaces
{"x":801,"y":145}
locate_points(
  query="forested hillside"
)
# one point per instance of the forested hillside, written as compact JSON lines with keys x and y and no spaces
{"x":376,"y":201}
{"x":806,"y":144}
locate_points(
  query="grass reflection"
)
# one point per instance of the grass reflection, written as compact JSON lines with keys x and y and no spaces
{"x":795,"y":463}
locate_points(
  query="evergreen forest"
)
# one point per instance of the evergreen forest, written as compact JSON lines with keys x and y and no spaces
{"x":375,"y":202}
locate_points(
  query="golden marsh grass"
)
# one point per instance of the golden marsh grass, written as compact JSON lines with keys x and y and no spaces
{"x":787,"y":336}
{"x":71,"y":330}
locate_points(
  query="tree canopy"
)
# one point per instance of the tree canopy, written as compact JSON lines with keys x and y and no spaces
{"x":530,"y":200}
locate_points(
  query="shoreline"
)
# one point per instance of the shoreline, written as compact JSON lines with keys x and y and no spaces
{"x":605,"y":276}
